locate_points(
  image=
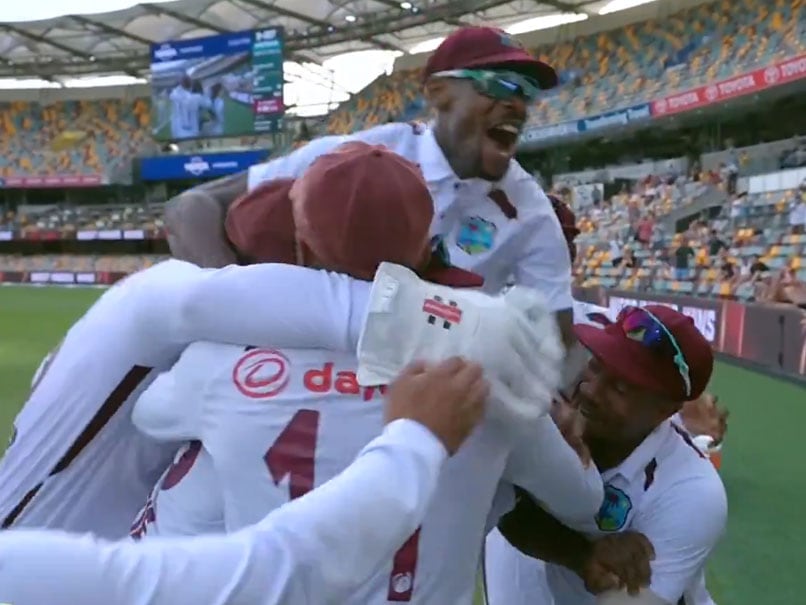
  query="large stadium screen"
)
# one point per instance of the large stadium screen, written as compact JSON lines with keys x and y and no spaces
{"x":218,"y":86}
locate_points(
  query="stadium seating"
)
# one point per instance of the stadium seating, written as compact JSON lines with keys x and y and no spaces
{"x":623,"y":67}
{"x":761,"y":231}
{"x":67,"y":221}
{"x":76,"y":138}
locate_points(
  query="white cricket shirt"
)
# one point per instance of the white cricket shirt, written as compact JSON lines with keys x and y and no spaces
{"x":670,"y":492}
{"x":314,"y":551}
{"x":77,"y":463}
{"x":480,"y":237}
{"x":279,"y":422}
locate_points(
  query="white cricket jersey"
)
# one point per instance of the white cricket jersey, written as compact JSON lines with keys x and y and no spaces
{"x":314,"y":551}
{"x":77,"y":463}
{"x":279,"y":422}
{"x":479,"y":234}
{"x":190,"y":504}
{"x":670,"y":492}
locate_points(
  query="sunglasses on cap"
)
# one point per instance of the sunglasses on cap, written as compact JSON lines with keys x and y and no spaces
{"x":499,"y":85}
{"x":642,"y":326}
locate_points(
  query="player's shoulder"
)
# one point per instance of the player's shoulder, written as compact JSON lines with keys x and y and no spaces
{"x":525,"y":193}
{"x":683,"y":470}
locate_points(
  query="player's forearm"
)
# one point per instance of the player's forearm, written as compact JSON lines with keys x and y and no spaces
{"x":267,"y":305}
{"x":194,"y":221}
{"x":537,"y":534}
{"x":546,"y":467}
{"x":313,"y":551}
{"x":194,"y":224}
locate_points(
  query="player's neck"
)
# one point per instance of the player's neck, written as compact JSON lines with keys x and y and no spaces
{"x":609,"y":453}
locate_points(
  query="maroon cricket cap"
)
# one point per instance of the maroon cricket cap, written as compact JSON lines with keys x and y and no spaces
{"x":362,"y":205}
{"x":354,"y":208}
{"x":651,"y":369}
{"x":490,"y":47}
{"x":260,"y":223}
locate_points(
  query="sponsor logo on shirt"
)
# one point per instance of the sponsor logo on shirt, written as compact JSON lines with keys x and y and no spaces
{"x":615,"y":509}
{"x":261,"y":373}
{"x":344,"y":382}
{"x":476,"y":235}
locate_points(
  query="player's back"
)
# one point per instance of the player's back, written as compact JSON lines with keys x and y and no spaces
{"x":76,"y":462}
{"x":279,"y":423}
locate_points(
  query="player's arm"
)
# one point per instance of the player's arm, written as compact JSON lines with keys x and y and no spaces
{"x":172,"y":407}
{"x":262,"y":305}
{"x":546,"y":264}
{"x":615,"y":567}
{"x":546,"y":467}
{"x":536,"y":533}
{"x":314,"y":550}
{"x":194,"y":219}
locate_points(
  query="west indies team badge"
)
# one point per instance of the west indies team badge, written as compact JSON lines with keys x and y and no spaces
{"x":476,"y":235}
{"x":615,"y":510}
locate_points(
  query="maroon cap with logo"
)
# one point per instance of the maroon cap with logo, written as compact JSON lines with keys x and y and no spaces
{"x":260,"y":224}
{"x":364,"y":204}
{"x":488,"y":47}
{"x":353,"y":208}
{"x":648,"y":368}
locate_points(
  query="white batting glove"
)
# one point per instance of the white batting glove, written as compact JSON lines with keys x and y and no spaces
{"x":512,"y":336}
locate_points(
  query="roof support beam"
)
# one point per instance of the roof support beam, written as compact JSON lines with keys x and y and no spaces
{"x":391,"y":21}
{"x":284,"y":12}
{"x":566,"y":7}
{"x":74,"y":52}
{"x":109,"y":29}
{"x":160,"y":9}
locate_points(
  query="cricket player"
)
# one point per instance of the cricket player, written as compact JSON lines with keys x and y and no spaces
{"x":494,"y":218}
{"x":313,"y":551}
{"x":658,"y":484}
{"x":277,"y":422}
{"x":77,"y":463}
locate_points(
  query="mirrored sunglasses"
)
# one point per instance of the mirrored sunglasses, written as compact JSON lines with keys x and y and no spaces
{"x":642,"y":326}
{"x":500,"y":85}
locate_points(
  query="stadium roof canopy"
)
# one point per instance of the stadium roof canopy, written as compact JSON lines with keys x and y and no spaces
{"x":118,"y":42}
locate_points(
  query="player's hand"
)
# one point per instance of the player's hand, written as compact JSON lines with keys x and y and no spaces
{"x":619,"y":562}
{"x":703,"y":416}
{"x":447,"y":398}
{"x":572,"y":425}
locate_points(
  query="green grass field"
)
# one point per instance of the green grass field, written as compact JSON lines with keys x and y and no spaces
{"x":758,"y":562}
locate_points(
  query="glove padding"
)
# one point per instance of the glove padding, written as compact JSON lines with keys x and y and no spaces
{"x":513,"y":336}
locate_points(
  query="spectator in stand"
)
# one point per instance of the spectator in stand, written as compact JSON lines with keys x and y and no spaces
{"x":738,"y":211}
{"x":682,"y":257}
{"x":797,"y":213}
{"x":758,"y":267}
{"x":727,"y":268}
{"x":628,"y":261}
{"x":645,"y":229}
{"x":716,"y":244}
{"x":616,"y":250}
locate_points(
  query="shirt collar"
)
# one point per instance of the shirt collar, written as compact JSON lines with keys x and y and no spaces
{"x":647,"y":450}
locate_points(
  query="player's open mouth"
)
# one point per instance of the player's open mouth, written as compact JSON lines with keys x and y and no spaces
{"x":505,"y":137}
